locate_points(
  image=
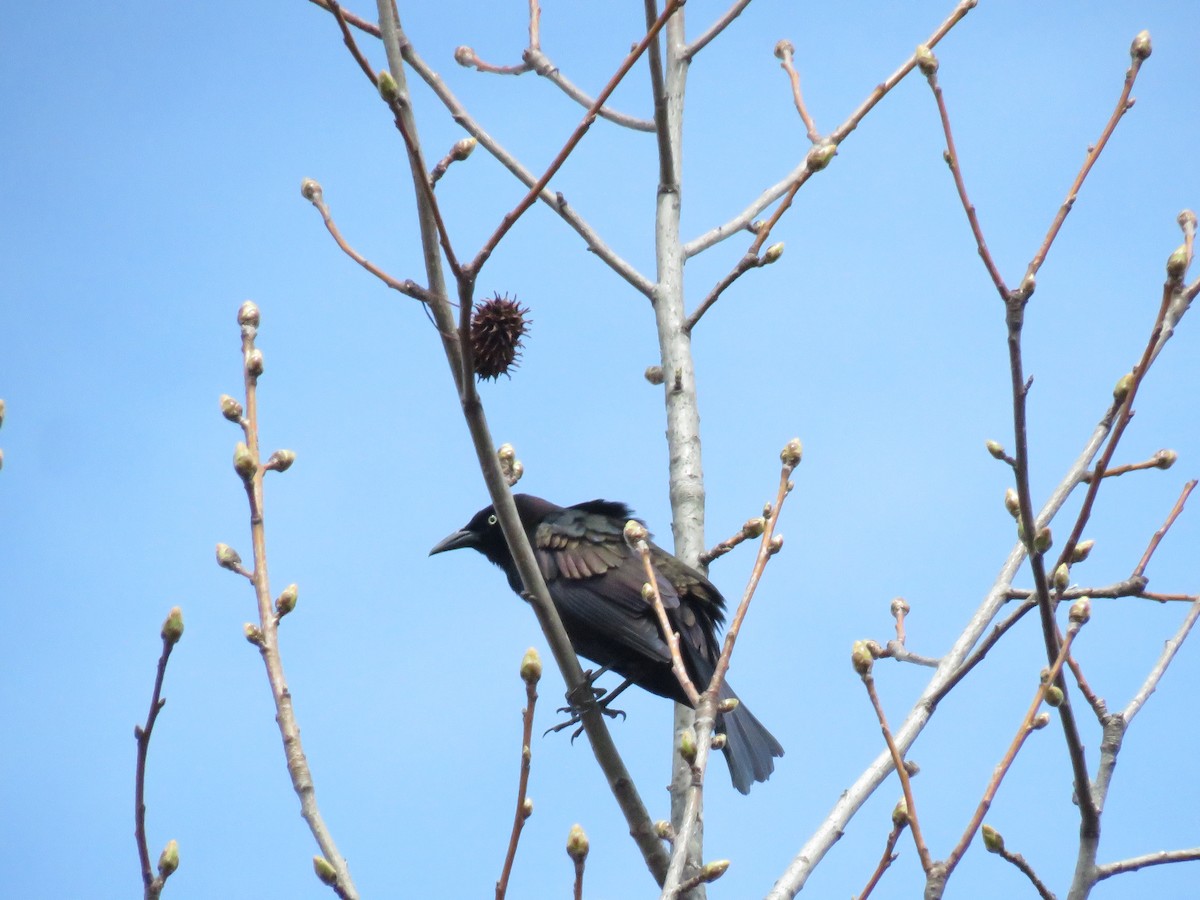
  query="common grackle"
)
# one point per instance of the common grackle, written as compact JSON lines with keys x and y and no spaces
{"x":595,"y":581}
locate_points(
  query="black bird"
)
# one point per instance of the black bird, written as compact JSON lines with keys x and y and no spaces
{"x":595,"y":581}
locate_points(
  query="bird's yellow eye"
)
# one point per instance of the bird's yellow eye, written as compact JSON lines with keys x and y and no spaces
{"x":492,"y":520}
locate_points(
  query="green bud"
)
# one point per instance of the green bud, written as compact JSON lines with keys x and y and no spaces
{"x":168,"y":860}
{"x":995,"y":449}
{"x":248,"y":314}
{"x":1164,"y":459}
{"x":1124,"y":386}
{"x":1012,"y":502}
{"x":388,"y":89}
{"x":728,"y":705}
{"x":992,"y":840}
{"x":821,"y":155}
{"x":717,"y":742}
{"x":1082,"y":551}
{"x":861,"y":658}
{"x":926,"y":61}
{"x":228,"y":558}
{"x":1040,"y":721}
{"x":231,"y":409}
{"x":253,"y":634}
{"x":526,"y":808}
{"x":776,"y":544}
{"x":506,"y":453}
{"x":254,"y":363}
{"x":172,"y":629}
{"x":754,"y":527}
{"x":635,"y":533}
{"x":773,"y":253}
{"x":664,"y":830}
{"x":1140,"y":48}
{"x":1177,"y":263}
{"x":325,"y":872}
{"x":792,"y":453}
{"x":1081,"y":611}
{"x":280,"y":461}
{"x":531,"y":666}
{"x":900,"y":813}
{"x":1043,"y":540}
{"x":286,"y":601}
{"x":648,"y":592}
{"x":462,"y":149}
{"x":687,"y":745}
{"x":1062,"y":576}
{"x":714,"y":870}
{"x":1054,"y":696}
{"x":243,"y":461}
{"x":577,"y":843}
{"x":310,"y":190}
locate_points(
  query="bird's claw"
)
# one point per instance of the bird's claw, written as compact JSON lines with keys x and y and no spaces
{"x":577,"y":718}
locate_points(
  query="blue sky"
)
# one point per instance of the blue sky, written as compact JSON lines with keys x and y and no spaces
{"x":154,"y":161}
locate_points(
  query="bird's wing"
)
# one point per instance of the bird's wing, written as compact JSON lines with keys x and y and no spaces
{"x":596,"y":580}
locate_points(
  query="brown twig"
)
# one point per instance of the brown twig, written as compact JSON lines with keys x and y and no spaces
{"x":889,"y":855}
{"x":531,"y":672}
{"x":751,"y":529}
{"x":1191,"y":854}
{"x":172,"y":630}
{"x":714,"y":29}
{"x":744,"y":265}
{"x":638,"y":540}
{"x":1026,"y":728}
{"x":357,"y":21}
{"x":1027,"y":870}
{"x":265,"y":635}
{"x":1163,"y":459}
{"x":785,"y":50}
{"x":983,"y":647}
{"x":1140,"y":569}
{"x":898,"y":761}
{"x":312,"y":192}
{"x":460,"y":151}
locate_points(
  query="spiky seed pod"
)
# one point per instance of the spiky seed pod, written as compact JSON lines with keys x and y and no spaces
{"x":497,"y":327}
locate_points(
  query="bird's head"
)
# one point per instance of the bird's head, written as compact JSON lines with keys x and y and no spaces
{"x":483,"y":532}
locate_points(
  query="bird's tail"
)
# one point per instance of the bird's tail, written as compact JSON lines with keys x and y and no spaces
{"x":750,"y":749}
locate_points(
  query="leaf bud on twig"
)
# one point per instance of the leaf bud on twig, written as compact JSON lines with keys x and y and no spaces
{"x":248,"y":314}
{"x":464,"y":56}
{"x":1012,"y":503}
{"x":310,"y":190}
{"x":1054,"y":696}
{"x":1082,"y":550}
{"x":717,"y":742}
{"x":172,"y":629}
{"x":286,"y":601}
{"x":254,"y":363}
{"x":754,"y":527}
{"x":1164,"y":459}
{"x":168,"y":861}
{"x":821,"y":155}
{"x":900,"y":608}
{"x":253,"y":634}
{"x":527,"y":808}
{"x":776,"y":544}
{"x":1041,"y":720}
{"x":773,"y":253}
{"x":714,"y":870}
{"x":792,"y":453}
{"x":992,"y":839}
{"x":1123,"y":387}
{"x":531,"y":666}
{"x":784,"y":48}
{"x":687,"y":745}
{"x":996,"y":449}
{"x":228,"y":558}
{"x":1081,"y":611}
{"x":861,"y":658}
{"x":280,"y":461}
{"x":1043,"y":540}
{"x":231,"y":409}
{"x":1140,"y":48}
{"x":900,"y":813}
{"x":325,"y":872}
{"x":655,"y":375}
{"x":243,"y":461}
{"x":577,"y":843}
{"x":728,"y":705}
{"x":635,"y":532}
{"x":388,"y":89}
{"x":1062,"y":576}
{"x":926,"y":61}
{"x":1177,"y":263}
{"x":664,"y":830}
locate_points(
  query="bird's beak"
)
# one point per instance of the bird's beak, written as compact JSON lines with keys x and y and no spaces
{"x":455,"y":541}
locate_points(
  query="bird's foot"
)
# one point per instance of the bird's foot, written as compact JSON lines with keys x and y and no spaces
{"x":583,"y":698}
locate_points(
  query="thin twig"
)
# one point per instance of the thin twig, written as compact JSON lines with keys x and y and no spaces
{"x":1160,"y":667}
{"x":744,"y":265}
{"x":1191,"y":854}
{"x":785,"y":50}
{"x":266,"y":638}
{"x":642,"y":547}
{"x":153,"y":884}
{"x":531,"y":670}
{"x":314,"y":194}
{"x":1140,"y":569}
{"x":1163,"y":459}
{"x":357,"y":21}
{"x":889,"y":856}
{"x":1025,"y":868}
{"x":714,"y":29}
{"x":752,"y":529}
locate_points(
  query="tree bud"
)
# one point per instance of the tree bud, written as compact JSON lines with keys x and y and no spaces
{"x":172,"y":629}
{"x":728,"y":705}
{"x":1062,"y":576}
{"x":1012,"y":502}
{"x":754,"y":527}
{"x":388,"y":89}
{"x":926,"y":61}
{"x":900,"y":608}
{"x":900,"y":813}
{"x":253,"y":634}
{"x":821,"y":155}
{"x":286,"y":601}
{"x":635,"y":533}
{"x":717,"y":742}
{"x":231,"y":409}
{"x":792,"y":453}
{"x":1082,"y":550}
{"x":992,"y":840}
{"x":254,"y":363}
{"x":995,"y":449}
{"x":654,"y":374}
{"x":1177,"y":263}
{"x":687,"y":745}
{"x":168,"y":861}
{"x":1041,"y":720}
{"x":228,"y":558}
{"x":664,"y":830}
{"x":281,"y":460}
{"x":1123,"y":387}
{"x":531,"y":666}
{"x":714,"y":870}
{"x":1164,"y":459}
{"x":1081,"y":611}
{"x":773,"y":253}
{"x":325,"y":872}
{"x":784,"y":48}
{"x":248,"y":314}
{"x":1054,"y":696}
{"x":861,"y":658}
{"x":243,"y":461}
{"x":310,"y":190}
{"x":1140,"y":48}
{"x":527,"y":807}
{"x":577,"y":844}
{"x":1043,"y":540}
